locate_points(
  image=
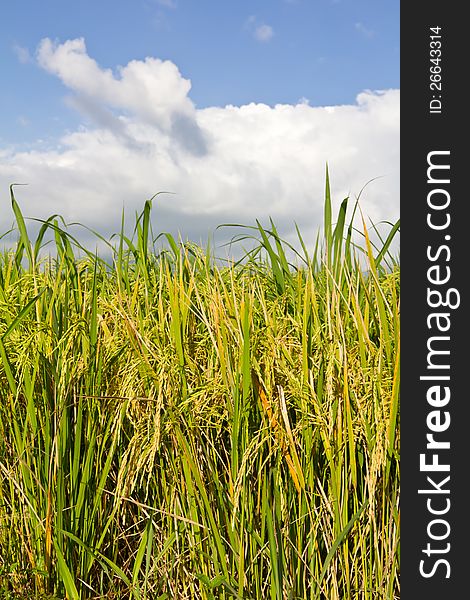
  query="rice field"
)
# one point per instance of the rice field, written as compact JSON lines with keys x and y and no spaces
{"x":172,"y":427}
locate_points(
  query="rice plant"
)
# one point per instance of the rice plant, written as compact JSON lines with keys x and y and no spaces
{"x":173,"y":427}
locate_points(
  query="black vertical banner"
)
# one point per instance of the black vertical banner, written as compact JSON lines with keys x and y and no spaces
{"x":435,"y":236}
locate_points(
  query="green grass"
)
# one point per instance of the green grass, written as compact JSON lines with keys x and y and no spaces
{"x":174,"y":428}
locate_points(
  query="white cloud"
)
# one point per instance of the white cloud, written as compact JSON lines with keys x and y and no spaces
{"x":365,"y":31}
{"x":152,"y":89}
{"x":263,"y":33}
{"x":167,"y":3}
{"x":22,"y":54}
{"x":260,"y":31}
{"x":143,"y":134}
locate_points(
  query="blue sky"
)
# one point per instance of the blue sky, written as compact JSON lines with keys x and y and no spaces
{"x":265,"y":53}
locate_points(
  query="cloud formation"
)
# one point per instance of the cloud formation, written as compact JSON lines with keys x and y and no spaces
{"x":260,"y":31}
{"x":263,"y":33}
{"x":142,"y":134}
{"x":364,"y":30}
{"x":22,"y":54}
